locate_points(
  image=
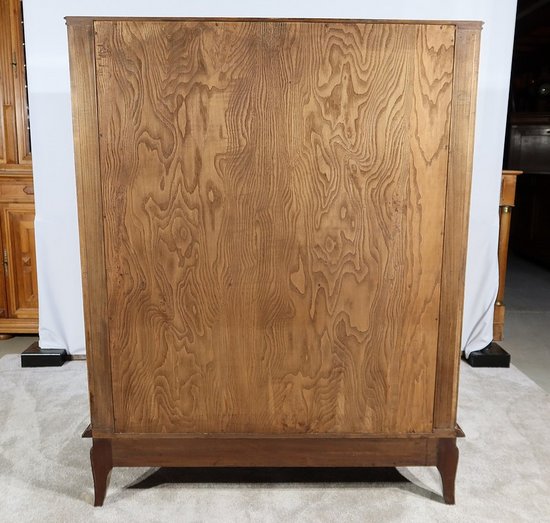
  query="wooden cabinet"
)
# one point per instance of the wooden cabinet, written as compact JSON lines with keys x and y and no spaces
{"x":529,"y":143}
{"x":273,"y":219}
{"x":18,"y":289}
{"x":529,"y":150}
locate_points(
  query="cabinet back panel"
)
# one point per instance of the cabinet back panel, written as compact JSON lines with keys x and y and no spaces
{"x":274,"y":212}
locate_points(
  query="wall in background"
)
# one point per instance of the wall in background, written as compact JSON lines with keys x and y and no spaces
{"x":61,"y":316}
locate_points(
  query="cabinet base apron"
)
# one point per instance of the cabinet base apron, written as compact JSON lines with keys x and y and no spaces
{"x":273,"y":451}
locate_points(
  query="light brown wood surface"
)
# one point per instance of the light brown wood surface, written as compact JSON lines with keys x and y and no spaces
{"x":507,"y":201}
{"x":508,"y":187}
{"x":274,"y":198}
{"x":18,"y":284}
{"x":457,"y":206}
{"x":8,"y":132}
{"x":20,"y":259}
{"x":90,"y":222}
{"x":14,"y":132}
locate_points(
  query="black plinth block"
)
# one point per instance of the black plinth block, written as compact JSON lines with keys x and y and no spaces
{"x":34,"y":356}
{"x":491,"y":356}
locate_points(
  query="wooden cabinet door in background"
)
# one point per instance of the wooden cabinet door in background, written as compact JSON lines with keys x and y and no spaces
{"x":20,"y":260}
{"x":15,"y":148}
{"x":273,"y":219}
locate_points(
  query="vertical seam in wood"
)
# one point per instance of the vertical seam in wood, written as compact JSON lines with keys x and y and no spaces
{"x":445,"y":224}
{"x":82,"y":58}
{"x":101,"y":200}
{"x":447,"y":378}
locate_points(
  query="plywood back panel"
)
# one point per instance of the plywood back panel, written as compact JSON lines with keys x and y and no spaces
{"x":273,"y":198}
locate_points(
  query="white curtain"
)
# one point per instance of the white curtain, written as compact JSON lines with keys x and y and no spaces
{"x":59,"y":284}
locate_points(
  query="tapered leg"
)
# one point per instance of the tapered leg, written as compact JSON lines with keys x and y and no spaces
{"x":447,"y":462}
{"x":102,"y":463}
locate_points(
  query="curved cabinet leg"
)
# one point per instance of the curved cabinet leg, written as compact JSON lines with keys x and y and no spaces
{"x":447,"y":462}
{"x":102,"y":463}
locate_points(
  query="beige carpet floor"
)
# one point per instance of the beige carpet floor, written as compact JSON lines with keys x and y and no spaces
{"x":503,"y":475}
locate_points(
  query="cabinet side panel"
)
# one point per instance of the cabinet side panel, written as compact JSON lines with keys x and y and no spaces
{"x":456,"y":225}
{"x":90,"y":212}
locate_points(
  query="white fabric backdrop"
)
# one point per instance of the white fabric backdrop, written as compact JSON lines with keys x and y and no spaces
{"x":60,"y":295}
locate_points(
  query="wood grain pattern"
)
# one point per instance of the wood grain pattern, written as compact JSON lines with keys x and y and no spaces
{"x":14,"y":133}
{"x":92,"y":253}
{"x":507,"y":201}
{"x":19,"y":82}
{"x":466,"y":24}
{"x":281,"y":452}
{"x":19,"y":313}
{"x":20,"y":259}
{"x":19,"y":326}
{"x":457,"y":206}
{"x":274,"y":200}
{"x":18,"y":292}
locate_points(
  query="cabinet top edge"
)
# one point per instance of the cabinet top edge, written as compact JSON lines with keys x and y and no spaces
{"x":88,"y":20}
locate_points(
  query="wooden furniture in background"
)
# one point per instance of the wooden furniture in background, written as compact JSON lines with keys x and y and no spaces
{"x":273,"y":219}
{"x":507,"y":199}
{"x":529,"y":143}
{"x":493,"y":355}
{"x":18,"y":286}
{"x":529,"y":151}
